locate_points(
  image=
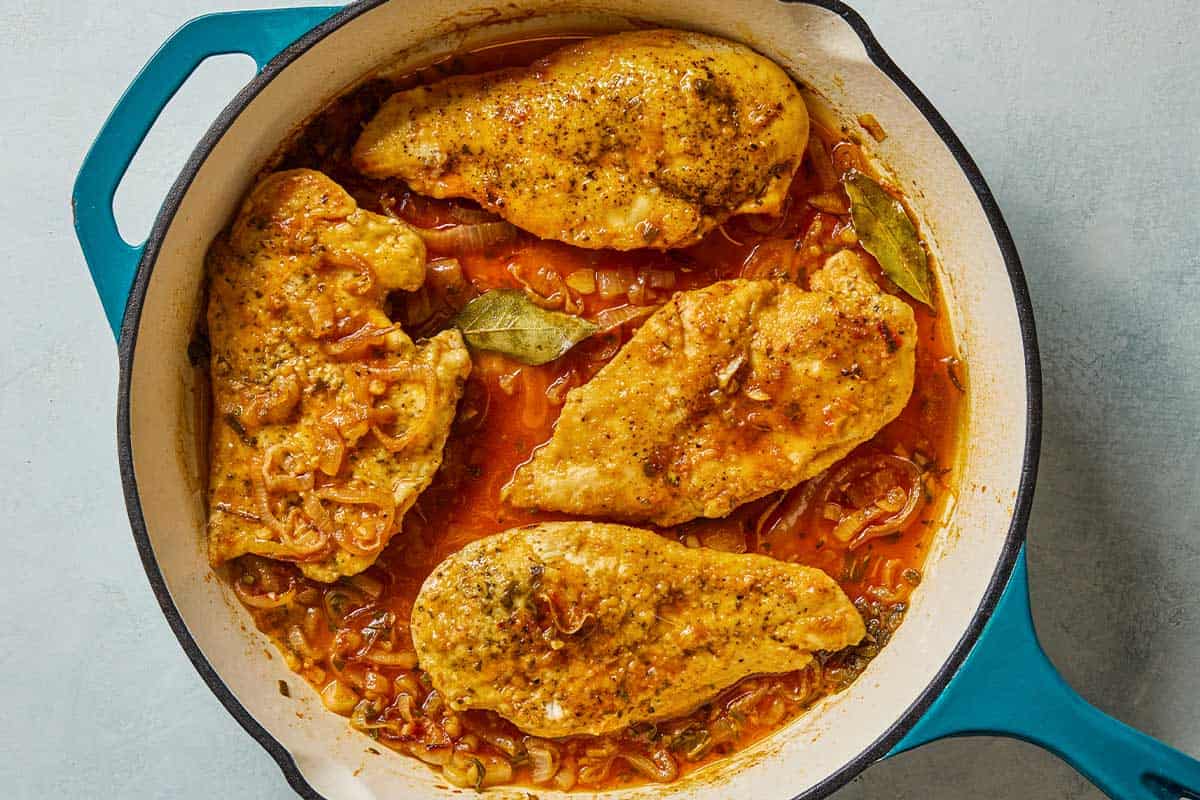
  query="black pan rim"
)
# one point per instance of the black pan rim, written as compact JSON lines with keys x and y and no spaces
{"x":1014,"y":541}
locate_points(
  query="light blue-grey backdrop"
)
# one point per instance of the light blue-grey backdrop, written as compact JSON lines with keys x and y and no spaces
{"x":1083,"y":116}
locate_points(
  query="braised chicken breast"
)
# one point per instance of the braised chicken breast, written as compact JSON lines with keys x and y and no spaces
{"x":329,"y":420}
{"x":641,"y":139}
{"x":726,"y":394}
{"x":584,"y":628}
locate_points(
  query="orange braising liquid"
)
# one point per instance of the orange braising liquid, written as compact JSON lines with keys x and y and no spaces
{"x":509,"y":409}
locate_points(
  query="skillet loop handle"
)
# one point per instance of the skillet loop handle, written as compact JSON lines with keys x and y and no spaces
{"x":1008,"y":687}
{"x":259,"y":34}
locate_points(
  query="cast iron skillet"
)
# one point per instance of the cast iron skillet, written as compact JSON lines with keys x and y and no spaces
{"x":998,"y":680}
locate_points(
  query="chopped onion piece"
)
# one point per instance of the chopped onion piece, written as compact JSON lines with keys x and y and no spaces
{"x":660,"y":278}
{"x":612,"y":283}
{"x":543,"y":760}
{"x":568,"y":773}
{"x":339,"y":698}
{"x":582,"y":281}
{"x":830,"y":202}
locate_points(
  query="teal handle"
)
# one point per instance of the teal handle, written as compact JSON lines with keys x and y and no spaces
{"x":259,"y":34}
{"x":1008,"y":687}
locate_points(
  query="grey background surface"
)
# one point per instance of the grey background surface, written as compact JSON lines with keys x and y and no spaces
{"x":1082,"y":116}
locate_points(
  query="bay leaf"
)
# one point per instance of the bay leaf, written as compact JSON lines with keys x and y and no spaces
{"x":507,"y":321}
{"x":886,"y":232}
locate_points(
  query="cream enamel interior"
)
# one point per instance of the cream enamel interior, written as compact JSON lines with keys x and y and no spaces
{"x":816,"y":46}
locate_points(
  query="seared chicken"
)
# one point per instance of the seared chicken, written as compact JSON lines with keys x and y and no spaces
{"x":329,"y":421}
{"x":584,"y":628}
{"x":726,"y":394}
{"x":643,"y":139}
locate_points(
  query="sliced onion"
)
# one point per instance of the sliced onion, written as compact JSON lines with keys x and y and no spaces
{"x":567,"y":775}
{"x":471,"y":216}
{"x":569,"y":623}
{"x":601,"y":748}
{"x":282,"y":482}
{"x":264,"y":506}
{"x":611,"y":318}
{"x":724,"y":729}
{"x":367,"y":716}
{"x":496,"y":771}
{"x":275,"y":404}
{"x":465,"y":770}
{"x":894,"y":523}
{"x":358,"y":342}
{"x":299,"y":540}
{"x":511,"y":746}
{"x":357,"y":539}
{"x":744,"y":703}
{"x":557,"y":391}
{"x":299,"y":642}
{"x":367,"y":583}
{"x":594,"y":770}
{"x":887,"y":574}
{"x":660,"y":278}
{"x":849,"y":526}
{"x":263,"y":601}
{"x":767,"y":224}
{"x":857,"y":528}
{"x":436,"y":754}
{"x":659,"y":766}
{"x":405,"y":659}
{"x":336,"y":600}
{"x":546,"y":288}
{"x":582,"y":281}
{"x":793,"y":509}
{"x":305,"y":539}
{"x":419,"y":430}
{"x":729,"y":238}
{"x":447,"y":277}
{"x":773,"y":258}
{"x":544,"y":758}
{"x":339,"y":698}
{"x":331,"y":449}
{"x":830,"y":202}
{"x":822,"y":164}
{"x":612,"y":283}
{"x":468,"y":239}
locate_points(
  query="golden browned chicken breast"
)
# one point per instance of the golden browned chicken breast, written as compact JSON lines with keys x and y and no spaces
{"x":329,"y":421}
{"x":642,"y":139}
{"x":583,"y":628}
{"x":726,"y":394}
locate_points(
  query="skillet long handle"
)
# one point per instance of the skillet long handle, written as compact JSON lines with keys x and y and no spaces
{"x":1008,"y":687}
{"x":259,"y":34}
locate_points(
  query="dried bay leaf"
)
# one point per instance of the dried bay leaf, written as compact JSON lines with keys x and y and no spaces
{"x":507,"y":321}
{"x":885,"y":231}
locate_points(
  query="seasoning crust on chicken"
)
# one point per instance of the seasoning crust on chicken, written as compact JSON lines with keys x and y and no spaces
{"x":642,"y":139}
{"x":584,"y":628}
{"x":726,"y":394}
{"x":329,"y":420}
